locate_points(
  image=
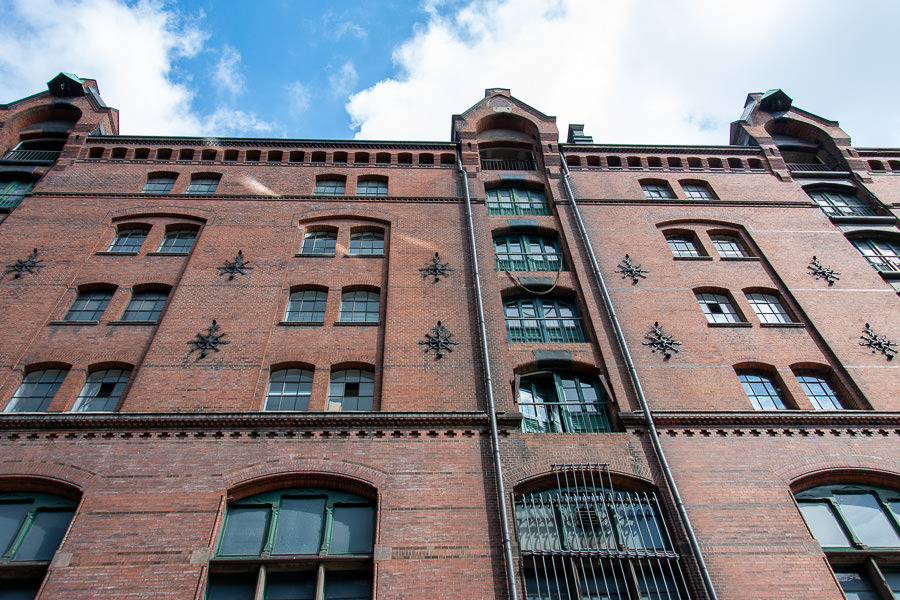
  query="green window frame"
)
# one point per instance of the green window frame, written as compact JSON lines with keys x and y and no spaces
{"x":528,"y":252}
{"x":836,"y":203}
{"x":286,"y":540}
{"x":32,"y":526}
{"x":553,"y":402}
{"x":12,"y":192}
{"x":516,"y":201}
{"x":858,"y":528}
{"x":882,"y":254}
{"x":542,"y":320}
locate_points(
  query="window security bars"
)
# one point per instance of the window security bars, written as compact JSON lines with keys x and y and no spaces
{"x":584,"y":540}
{"x":516,"y":201}
{"x":528,"y":253}
{"x":840,"y":204}
{"x":542,"y":320}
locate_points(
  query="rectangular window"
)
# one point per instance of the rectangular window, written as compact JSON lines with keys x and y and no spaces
{"x":682,"y":245}
{"x":178,"y":242}
{"x":697,"y":191}
{"x":761,"y":391}
{"x":372,"y":188}
{"x":728,"y":246}
{"x":366,"y":243}
{"x":329,"y":187}
{"x":307,"y":306}
{"x":203,"y":185}
{"x":360,"y":307}
{"x":516,"y":201}
{"x":655,"y":191}
{"x":319,"y":242}
{"x":145,"y":306}
{"x":718,"y":308}
{"x":768,"y":308}
{"x":158,"y":185}
{"x":129,"y":241}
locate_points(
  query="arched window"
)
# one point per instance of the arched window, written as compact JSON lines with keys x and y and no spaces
{"x":102,"y":391}
{"x":729,"y":246}
{"x":351,"y":389}
{"x":145,"y":306}
{"x":820,"y":391}
{"x":366,"y":243}
{"x":203,"y":184}
{"x":858,"y":527}
{"x":12,"y":192}
{"x":547,"y":319}
{"x":311,"y":539}
{"x":562,"y":403}
{"x":585,"y":540}
{"x":516,"y":201}
{"x":882,"y":254}
{"x":320,"y":243}
{"x":331,"y":186}
{"x":839,"y":203}
{"x":307,"y":306}
{"x":178,"y":241}
{"x":360,"y":306}
{"x":768,"y":308}
{"x":37,"y":390}
{"x":289,"y":389}
{"x":762,"y":390}
{"x":655,"y":190}
{"x":129,"y":241}
{"x":31,"y":529}
{"x":718,"y":308}
{"x":372,"y":187}
{"x":528,"y":252}
{"x":89,"y":305}
{"x":159,"y":184}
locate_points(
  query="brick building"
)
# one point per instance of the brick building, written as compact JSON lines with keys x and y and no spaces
{"x":497,"y":367}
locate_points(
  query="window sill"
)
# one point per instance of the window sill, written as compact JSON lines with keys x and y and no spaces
{"x":890,"y":275}
{"x":301,"y":323}
{"x":168,"y":253}
{"x":315,"y":255}
{"x":357,"y":323}
{"x":738,"y":324}
{"x":788,"y":325}
{"x":73,"y":322}
{"x":692,"y":257}
{"x":114,"y":253}
{"x":364,"y":256}
{"x":863,"y":219}
{"x":741,"y":258}
{"x":142,"y":323}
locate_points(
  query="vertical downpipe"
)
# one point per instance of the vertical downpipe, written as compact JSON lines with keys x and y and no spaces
{"x":642,"y":399}
{"x":489,"y":388}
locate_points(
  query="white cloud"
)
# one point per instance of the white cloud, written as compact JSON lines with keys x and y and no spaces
{"x":345,"y":28}
{"x":231,"y":122}
{"x":228,"y":76}
{"x":638,"y":72}
{"x":298,"y":98}
{"x":343,"y":82}
{"x":131,"y":50}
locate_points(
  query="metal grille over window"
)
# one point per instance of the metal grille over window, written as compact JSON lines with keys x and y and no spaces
{"x":528,"y":253}
{"x":585,"y":540}
{"x":516,"y":201}
{"x":841,"y":204}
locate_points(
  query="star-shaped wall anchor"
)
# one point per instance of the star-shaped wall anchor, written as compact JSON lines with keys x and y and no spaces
{"x":436,"y":269}
{"x":627,"y":269}
{"x":210,"y":341}
{"x":439,"y":340}
{"x":878,"y":343}
{"x":233,"y":267}
{"x":819,"y":272}
{"x":29,"y":265}
{"x":661,"y":341}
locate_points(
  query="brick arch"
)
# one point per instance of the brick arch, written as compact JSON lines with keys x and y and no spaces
{"x":162,"y":212}
{"x":56,"y":477}
{"x":349,"y":213}
{"x":538,"y":474}
{"x":814,"y":469}
{"x":288,"y":472}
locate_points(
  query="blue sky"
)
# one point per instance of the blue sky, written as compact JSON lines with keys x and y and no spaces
{"x":633,"y":71}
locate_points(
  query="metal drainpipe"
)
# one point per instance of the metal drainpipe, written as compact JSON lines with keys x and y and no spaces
{"x":489,"y":386}
{"x":645,"y":408}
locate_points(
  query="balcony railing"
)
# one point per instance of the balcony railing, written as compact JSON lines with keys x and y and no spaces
{"x":502,"y":164}
{"x":809,"y":167}
{"x":32,"y":155}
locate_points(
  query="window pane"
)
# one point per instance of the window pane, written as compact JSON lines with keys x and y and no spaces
{"x":855,"y":585}
{"x":12,"y":514}
{"x":768,"y":308}
{"x":329,"y":187}
{"x":820,"y":393}
{"x":728,"y":246}
{"x":540,"y":586}
{"x":354,"y":528}
{"x":299,"y":526}
{"x":245,"y":531}
{"x":319,"y":242}
{"x":762,"y":392}
{"x":867,"y":519}
{"x":289,"y":389}
{"x":367,"y":243}
{"x":717,"y":308}
{"x":307,"y":306}
{"x":145,"y":306}
{"x":44,"y":535}
{"x":822,"y":522}
{"x":231,"y":587}
{"x":347,"y":588}
{"x":360,"y":307}
{"x":283,"y":586}
{"x":36,"y":391}
{"x":102,"y":390}
{"x":682,"y":245}
{"x":178,"y":242}
{"x":129,"y":240}
{"x":20,"y":590}
{"x":89,"y":306}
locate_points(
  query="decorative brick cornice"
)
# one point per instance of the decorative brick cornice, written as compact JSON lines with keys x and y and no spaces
{"x":693,"y":203}
{"x":255,"y":198}
{"x":116,"y":140}
{"x":636,"y":149}
{"x":250,"y":425}
{"x":765,"y":420}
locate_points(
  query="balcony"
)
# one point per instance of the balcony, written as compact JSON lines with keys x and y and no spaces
{"x":501,"y":164}
{"x":31,"y":156}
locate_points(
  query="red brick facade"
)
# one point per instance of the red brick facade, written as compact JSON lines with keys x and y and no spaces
{"x":152,"y":475}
